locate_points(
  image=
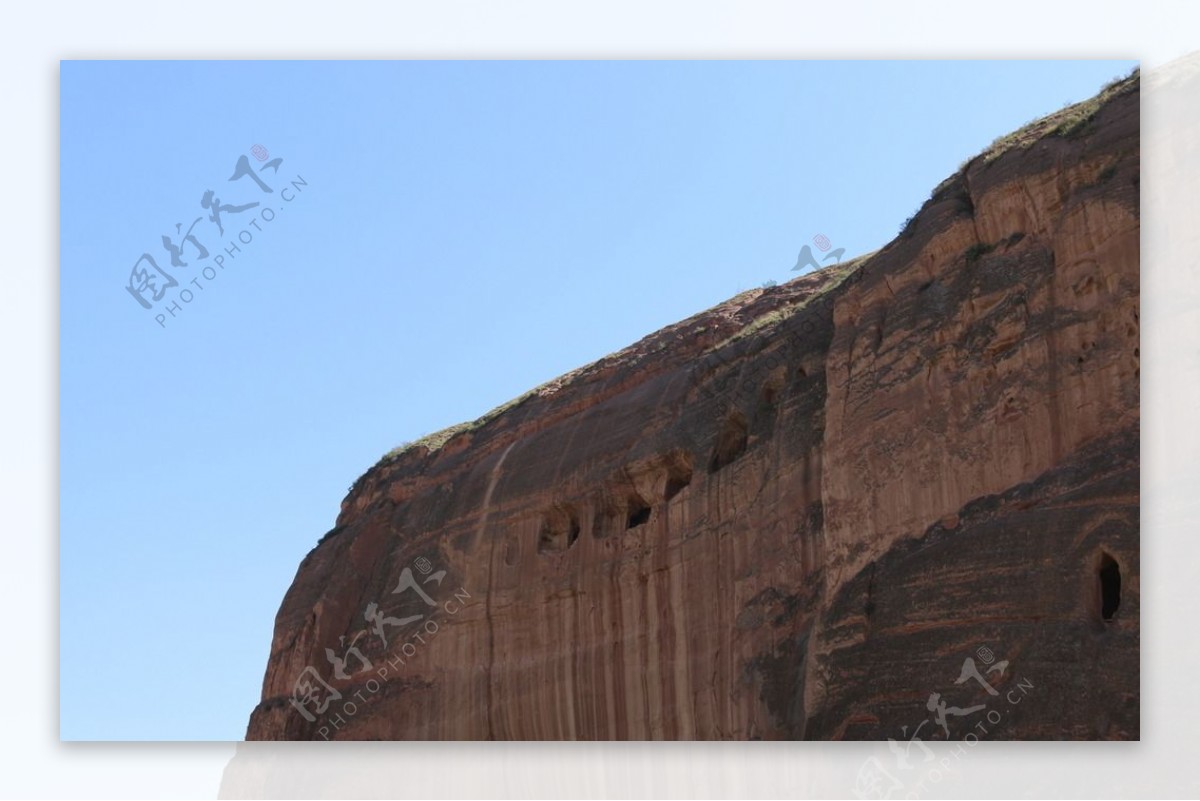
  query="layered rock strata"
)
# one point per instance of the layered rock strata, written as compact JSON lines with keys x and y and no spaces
{"x":831,"y":509}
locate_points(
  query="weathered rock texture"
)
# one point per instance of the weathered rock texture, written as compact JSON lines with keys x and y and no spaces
{"x":794,"y":515}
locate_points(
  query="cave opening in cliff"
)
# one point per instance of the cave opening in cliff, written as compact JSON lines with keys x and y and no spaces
{"x":639,"y":513}
{"x":731,"y":442}
{"x":1110,"y":586}
{"x":558,"y":532}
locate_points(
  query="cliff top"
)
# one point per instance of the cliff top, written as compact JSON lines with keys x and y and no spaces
{"x":756,"y":309}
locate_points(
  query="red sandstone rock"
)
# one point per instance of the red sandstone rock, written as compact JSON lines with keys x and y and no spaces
{"x":795,"y":515}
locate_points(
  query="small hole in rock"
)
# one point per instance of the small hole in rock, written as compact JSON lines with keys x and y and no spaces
{"x":1110,"y":586}
{"x":638,"y":515}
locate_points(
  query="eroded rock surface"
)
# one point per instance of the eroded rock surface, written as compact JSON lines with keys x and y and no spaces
{"x":796,"y":515}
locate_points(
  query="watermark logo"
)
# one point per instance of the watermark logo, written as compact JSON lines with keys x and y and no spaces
{"x":807,"y":259}
{"x":313,"y":695}
{"x":875,"y":781}
{"x":156,"y":288}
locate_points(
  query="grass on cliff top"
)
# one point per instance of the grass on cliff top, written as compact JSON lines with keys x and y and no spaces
{"x":1068,"y":122}
{"x":431,"y":441}
{"x":437,"y":439}
{"x":840,"y":272}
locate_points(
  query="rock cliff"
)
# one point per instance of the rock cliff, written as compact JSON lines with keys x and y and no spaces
{"x":894,"y":497}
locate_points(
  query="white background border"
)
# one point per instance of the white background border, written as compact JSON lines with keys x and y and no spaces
{"x":35,"y":37}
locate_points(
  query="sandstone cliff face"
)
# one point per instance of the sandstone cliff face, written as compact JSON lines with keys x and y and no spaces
{"x":796,"y":515}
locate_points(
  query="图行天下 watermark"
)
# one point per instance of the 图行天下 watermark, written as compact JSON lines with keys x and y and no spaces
{"x":313,"y":697}
{"x":207,"y":247}
{"x":975,"y":719}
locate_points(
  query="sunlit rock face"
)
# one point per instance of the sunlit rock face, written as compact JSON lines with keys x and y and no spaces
{"x":862,"y":503}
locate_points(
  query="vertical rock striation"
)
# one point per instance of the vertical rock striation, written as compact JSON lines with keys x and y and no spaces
{"x":796,"y":515}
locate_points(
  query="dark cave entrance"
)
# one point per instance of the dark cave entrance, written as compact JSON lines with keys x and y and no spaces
{"x":1109,"y":576}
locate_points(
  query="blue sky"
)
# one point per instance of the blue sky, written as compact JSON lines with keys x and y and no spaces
{"x":457,"y":233}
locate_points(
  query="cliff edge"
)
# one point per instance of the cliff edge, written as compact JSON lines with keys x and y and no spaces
{"x":887,"y":492}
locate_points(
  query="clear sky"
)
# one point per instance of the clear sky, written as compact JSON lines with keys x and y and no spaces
{"x":446,"y":235}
